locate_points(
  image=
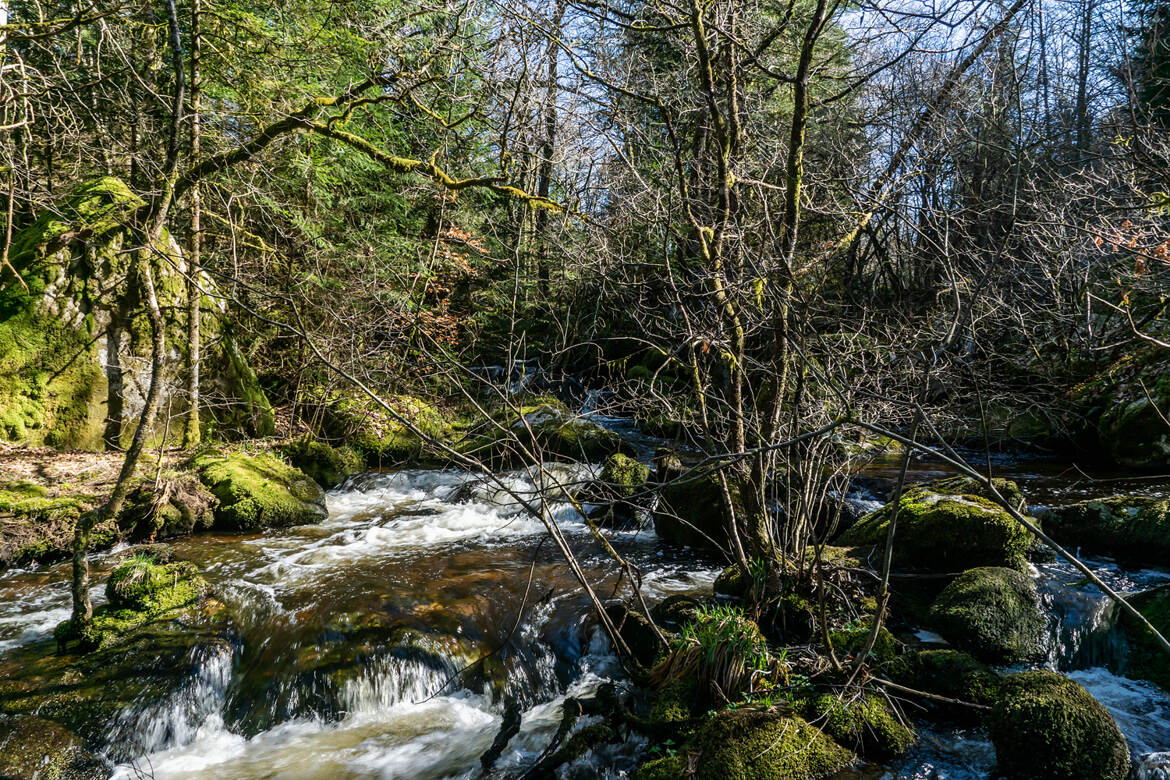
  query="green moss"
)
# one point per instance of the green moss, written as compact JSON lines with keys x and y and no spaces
{"x":1135,"y":529}
{"x":33,"y":747}
{"x":624,"y":474}
{"x":675,"y":703}
{"x":941,"y":530}
{"x":993,"y":613}
{"x":755,"y":745}
{"x":383,"y":439}
{"x":257,"y":491}
{"x":733,"y":581}
{"x":851,"y":640}
{"x":177,"y":504}
{"x":665,"y":768}
{"x":327,"y":466}
{"x":864,"y":723}
{"x":35,"y":527}
{"x":576,"y":439}
{"x":721,"y":650}
{"x":1044,"y":725}
{"x":949,"y":673}
{"x":249,"y":410}
{"x":1146,"y":658}
{"x":676,"y":611}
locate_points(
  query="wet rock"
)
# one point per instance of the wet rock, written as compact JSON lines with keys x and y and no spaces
{"x":949,"y":525}
{"x":636,"y":631}
{"x":38,"y":749}
{"x":258,"y":491}
{"x":1134,"y":529}
{"x":733,"y":582}
{"x":676,"y":611}
{"x":949,"y":673}
{"x":752,"y":744}
{"x":691,"y":511}
{"x":1044,"y":726}
{"x":993,"y":613}
{"x":178,"y":504}
{"x":383,"y":438}
{"x":624,"y":475}
{"x":326,"y":465}
{"x":1125,"y":417}
{"x":862,"y":722}
{"x":1147,"y":659}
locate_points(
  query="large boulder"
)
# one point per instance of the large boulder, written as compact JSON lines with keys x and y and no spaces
{"x":949,"y":525}
{"x":385,"y":438}
{"x":951,"y":674}
{"x":258,"y":490}
{"x":1135,"y":529}
{"x":38,"y":528}
{"x":73,"y":326}
{"x":327,"y":465}
{"x":1046,"y":727}
{"x":864,"y":722}
{"x":993,"y":613}
{"x":1146,"y":658}
{"x":691,"y":510}
{"x":752,"y":745}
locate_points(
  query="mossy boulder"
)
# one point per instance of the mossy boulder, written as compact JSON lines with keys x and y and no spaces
{"x":734,"y":581}
{"x":952,"y":674}
{"x":326,"y":465}
{"x":850,"y":640}
{"x":691,"y":511}
{"x":864,"y":722}
{"x":385,"y":438}
{"x":949,"y":525}
{"x":1146,"y":658}
{"x":1045,"y":726}
{"x":624,"y":475}
{"x":177,"y":504}
{"x":258,"y":491}
{"x":753,"y":744}
{"x":676,"y":611}
{"x":675,"y":703}
{"x":993,"y":613}
{"x":76,"y":306}
{"x":1134,"y":529}
{"x":636,"y":631}
{"x":37,"y":749}
{"x":34,"y":527}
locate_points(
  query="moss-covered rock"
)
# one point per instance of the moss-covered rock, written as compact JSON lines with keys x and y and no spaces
{"x":664,"y":768}
{"x":257,"y":491}
{"x":576,"y":440}
{"x":636,"y":631}
{"x":993,"y":613}
{"x":76,"y":305}
{"x":865,"y":723}
{"x":733,"y":581}
{"x":757,"y":745}
{"x":328,"y":466}
{"x":949,"y":673}
{"x":35,"y":528}
{"x":691,"y":511}
{"x":383,"y":438}
{"x":851,"y":640}
{"x":1146,"y":658}
{"x":1044,"y":726}
{"x":1134,"y":529}
{"x":676,"y":611}
{"x":675,"y":703}
{"x":723,"y":652}
{"x":177,"y":504}
{"x":623,"y":474}
{"x":37,"y":749}
{"x":943,"y":528}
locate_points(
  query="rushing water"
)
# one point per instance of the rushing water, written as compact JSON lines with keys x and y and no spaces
{"x":349,"y":637}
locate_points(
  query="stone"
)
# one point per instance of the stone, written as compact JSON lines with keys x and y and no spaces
{"x":993,"y":613}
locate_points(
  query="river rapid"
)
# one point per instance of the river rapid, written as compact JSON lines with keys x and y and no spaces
{"x":348,"y":638}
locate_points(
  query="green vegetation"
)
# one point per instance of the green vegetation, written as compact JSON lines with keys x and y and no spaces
{"x":624,"y":474}
{"x":328,"y":466}
{"x":941,"y":530}
{"x":865,"y":723}
{"x":35,"y":527}
{"x":948,"y":673}
{"x":721,"y":650}
{"x":257,"y":491}
{"x":993,"y":613}
{"x":1135,"y":529}
{"x":851,"y":640}
{"x":1045,"y":726}
{"x":692,"y":511}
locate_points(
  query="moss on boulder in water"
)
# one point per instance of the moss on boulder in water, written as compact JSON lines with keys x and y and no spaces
{"x":1044,"y":726}
{"x":383,"y":438}
{"x":1125,"y":407}
{"x":33,"y":748}
{"x":257,"y":491}
{"x":1146,"y":658}
{"x":944,"y":526}
{"x":993,"y":613}
{"x":327,"y":465}
{"x":623,"y":474}
{"x":949,"y":673}
{"x":177,"y":504}
{"x":752,"y":744}
{"x":865,"y":723}
{"x":1135,"y":529}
